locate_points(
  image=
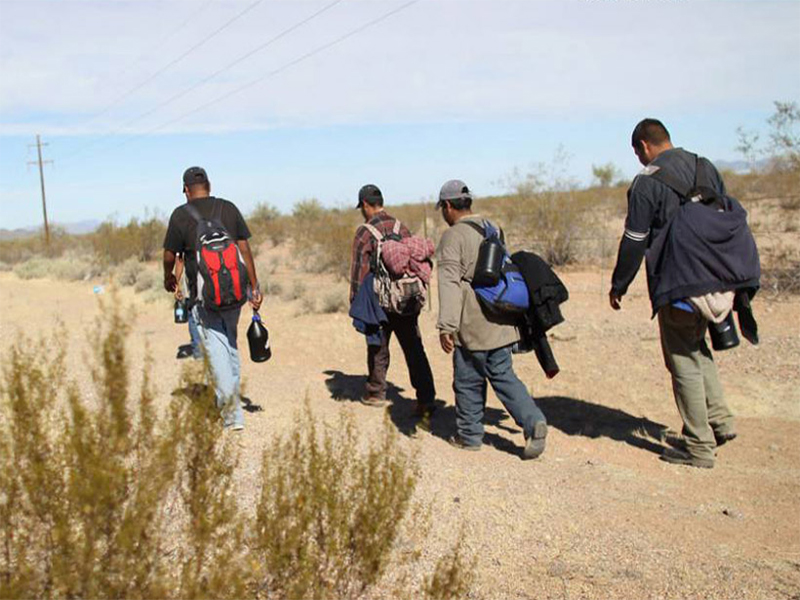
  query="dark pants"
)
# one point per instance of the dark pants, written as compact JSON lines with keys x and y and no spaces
{"x":470,"y":373}
{"x":406,"y":329}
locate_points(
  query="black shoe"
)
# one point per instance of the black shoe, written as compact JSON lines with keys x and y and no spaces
{"x":676,"y":457}
{"x":535,"y":444}
{"x":723,"y":438}
{"x":457,"y":442}
{"x":184,"y":351}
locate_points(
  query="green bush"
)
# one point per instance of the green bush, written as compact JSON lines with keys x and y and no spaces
{"x":118,"y":500}
{"x":139,"y":240}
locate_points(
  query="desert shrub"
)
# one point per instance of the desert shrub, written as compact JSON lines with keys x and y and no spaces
{"x":5,"y":267}
{"x":69,"y":267}
{"x":267,"y":223}
{"x":451,"y":578}
{"x":273,"y":288}
{"x":140,"y":240}
{"x":333,"y":302}
{"x":112,"y":499}
{"x":85,"y":497}
{"x":147,"y":280}
{"x":780,"y":271}
{"x":297,"y":291}
{"x":22,"y":248}
{"x":328,"y":515}
{"x":126,"y":272}
{"x":308,"y":305}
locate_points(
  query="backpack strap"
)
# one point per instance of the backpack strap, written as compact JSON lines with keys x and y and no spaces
{"x":374,"y":231}
{"x":396,"y":227}
{"x":192,"y":210}
{"x":677,"y":185}
{"x":482,"y":230}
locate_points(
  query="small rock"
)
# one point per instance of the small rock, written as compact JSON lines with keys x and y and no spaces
{"x":457,"y":500}
{"x":732,"y":513}
{"x":774,"y":448}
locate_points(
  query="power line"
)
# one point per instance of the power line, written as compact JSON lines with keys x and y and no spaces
{"x":275,"y":72}
{"x":230,"y":65}
{"x":167,"y":66}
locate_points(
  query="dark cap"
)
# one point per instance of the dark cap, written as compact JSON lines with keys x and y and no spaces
{"x":455,"y":189}
{"x":371,"y":195}
{"x":194,"y":175}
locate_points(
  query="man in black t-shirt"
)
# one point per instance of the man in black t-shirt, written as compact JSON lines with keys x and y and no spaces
{"x":217,"y":328}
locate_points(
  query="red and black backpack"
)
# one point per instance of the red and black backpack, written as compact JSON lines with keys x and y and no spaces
{"x":221,"y":273}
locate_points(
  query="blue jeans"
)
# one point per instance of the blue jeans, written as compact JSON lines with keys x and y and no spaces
{"x":218,"y":337}
{"x":470,"y":373}
{"x":194,"y":335}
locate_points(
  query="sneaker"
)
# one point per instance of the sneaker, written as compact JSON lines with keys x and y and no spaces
{"x":723,"y":438}
{"x":184,"y":351}
{"x":457,"y":442}
{"x":676,"y":457}
{"x":535,"y":444}
{"x":376,"y":402}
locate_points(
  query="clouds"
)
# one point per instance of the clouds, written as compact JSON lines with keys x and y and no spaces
{"x":437,"y":60}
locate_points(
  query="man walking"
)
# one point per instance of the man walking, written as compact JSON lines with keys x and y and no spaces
{"x":404,"y":326}
{"x":707,"y":420}
{"x":480,"y":343}
{"x":218,"y":328}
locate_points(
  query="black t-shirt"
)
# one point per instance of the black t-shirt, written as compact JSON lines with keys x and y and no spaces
{"x":182,"y":231}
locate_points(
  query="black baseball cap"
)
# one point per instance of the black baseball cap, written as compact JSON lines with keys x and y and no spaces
{"x":369,"y":194}
{"x":194,"y":175}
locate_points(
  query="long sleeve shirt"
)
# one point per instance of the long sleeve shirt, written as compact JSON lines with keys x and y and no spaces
{"x":460,"y":313}
{"x":364,"y":246}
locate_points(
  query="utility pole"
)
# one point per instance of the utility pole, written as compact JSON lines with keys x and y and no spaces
{"x":41,"y":164}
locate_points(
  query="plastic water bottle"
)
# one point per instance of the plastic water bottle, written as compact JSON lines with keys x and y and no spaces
{"x":258,"y":340}
{"x":180,"y":312}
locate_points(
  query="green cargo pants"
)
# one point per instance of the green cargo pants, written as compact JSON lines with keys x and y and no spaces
{"x":695,"y":382}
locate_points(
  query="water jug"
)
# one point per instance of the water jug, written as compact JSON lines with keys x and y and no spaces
{"x":723,"y":335}
{"x":258,"y":340}
{"x":489,"y":266}
{"x":180,"y":312}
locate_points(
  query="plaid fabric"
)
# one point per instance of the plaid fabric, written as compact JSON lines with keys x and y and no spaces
{"x":364,"y":247}
{"x":410,"y":255}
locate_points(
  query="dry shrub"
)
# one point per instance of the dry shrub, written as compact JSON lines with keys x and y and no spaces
{"x":20,"y":249}
{"x":323,"y":238}
{"x":140,"y":240}
{"x":297,"y":291}
{"x":267,"y":223}
{"x":69,"y":267}
{"x":780,"y":272}
{"x":547,"y":214}
{"x":114,"y":500}
{"x":333,"y":302}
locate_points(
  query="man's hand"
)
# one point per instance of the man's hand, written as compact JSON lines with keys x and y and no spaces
{"x":614,"y":300}
{"x":447,"y":342}
{"x":256,"y":298}
{"x":170,"y":282}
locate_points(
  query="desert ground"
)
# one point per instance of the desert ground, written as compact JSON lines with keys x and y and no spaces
{"x":598,"y":515}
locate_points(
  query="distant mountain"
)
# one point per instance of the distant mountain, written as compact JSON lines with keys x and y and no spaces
{"x":740,"y":166}
{"x":77,"y":228}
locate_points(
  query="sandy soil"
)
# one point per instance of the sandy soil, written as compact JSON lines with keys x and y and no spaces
{"x":598,"y":516}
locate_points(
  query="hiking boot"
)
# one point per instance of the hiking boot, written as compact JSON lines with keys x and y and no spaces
{"x":676,"y":440}
{"x":676,"y":457}
{"x":535,"y":444}
{"x":457,"y":442}
{"x":376,"y":402}
{"x":723,"y":438}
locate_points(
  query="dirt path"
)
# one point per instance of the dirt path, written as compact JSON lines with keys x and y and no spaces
{"x":598,"y":516}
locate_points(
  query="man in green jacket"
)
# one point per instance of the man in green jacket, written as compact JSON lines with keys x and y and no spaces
{"x":481,"y":345}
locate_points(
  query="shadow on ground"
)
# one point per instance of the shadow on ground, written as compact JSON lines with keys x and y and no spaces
{"x":442,"y":424}
{"x":195,"y":391}
{"x":578,"y":417}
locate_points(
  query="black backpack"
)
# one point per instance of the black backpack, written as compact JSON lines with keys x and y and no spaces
{"x":222,"y":279}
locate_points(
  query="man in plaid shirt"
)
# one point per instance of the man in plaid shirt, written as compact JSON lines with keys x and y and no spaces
{"x":406,"y":327}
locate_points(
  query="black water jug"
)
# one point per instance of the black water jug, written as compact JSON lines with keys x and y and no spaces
{"x":258,"y":340}
{"x":723,"y":335}
{"x":489,"y":266}
{"x":180,"y":311}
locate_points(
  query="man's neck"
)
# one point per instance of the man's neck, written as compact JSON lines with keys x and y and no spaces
{"x":461,"y":215}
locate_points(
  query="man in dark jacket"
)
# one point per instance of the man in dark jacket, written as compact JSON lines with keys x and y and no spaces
{"x":708,"y":422}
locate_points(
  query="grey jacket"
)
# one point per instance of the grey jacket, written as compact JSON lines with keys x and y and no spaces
{"x":460,"y":313}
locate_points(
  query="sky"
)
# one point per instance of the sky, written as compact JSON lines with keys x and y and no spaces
{"x":283,"y":100}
